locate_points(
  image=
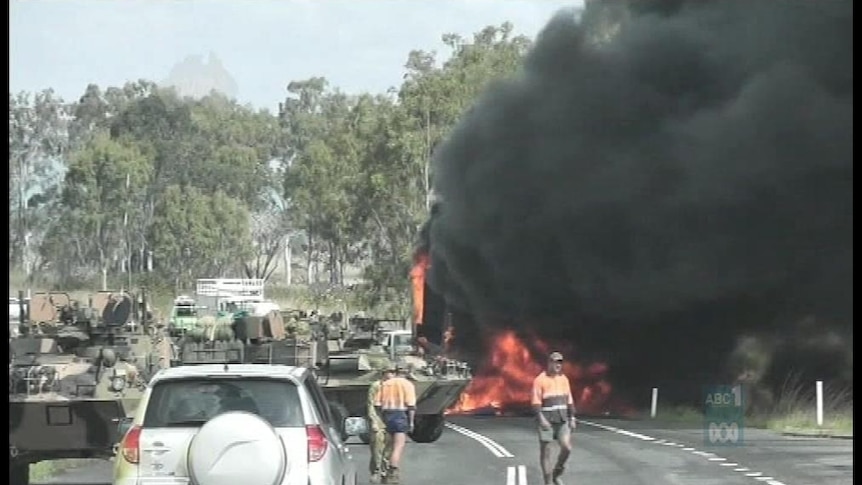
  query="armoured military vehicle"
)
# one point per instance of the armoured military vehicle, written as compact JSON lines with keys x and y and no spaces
{"x":345,"y":368}
{"x":74,"y":371}
{"x":250,"y":329}
{"x":377,"y":344}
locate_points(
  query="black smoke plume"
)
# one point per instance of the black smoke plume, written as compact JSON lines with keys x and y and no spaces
{"x":655,"y":197}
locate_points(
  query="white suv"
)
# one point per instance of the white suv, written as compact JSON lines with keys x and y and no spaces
{"x":233,"y":424}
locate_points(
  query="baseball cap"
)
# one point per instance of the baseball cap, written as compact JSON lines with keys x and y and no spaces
{"x":555,"y":356}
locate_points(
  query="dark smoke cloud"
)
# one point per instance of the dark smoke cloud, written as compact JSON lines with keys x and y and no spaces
{"x":656,"y":196}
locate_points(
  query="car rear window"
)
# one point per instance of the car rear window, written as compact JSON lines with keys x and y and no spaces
{"x":192,"y":402}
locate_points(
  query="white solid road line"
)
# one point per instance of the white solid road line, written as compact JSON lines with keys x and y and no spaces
{"x":516,"y":475}
{"x":495,"y":448}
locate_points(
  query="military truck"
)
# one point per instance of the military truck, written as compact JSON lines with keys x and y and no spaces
{"x":183,"y":316}
{"x":217,"y":295}
{"x":217,"y":298}
{"x":74,"y":371}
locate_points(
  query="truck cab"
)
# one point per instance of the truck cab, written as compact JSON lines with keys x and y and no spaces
{"x":184,"y":315}
{"x":400,"y":340}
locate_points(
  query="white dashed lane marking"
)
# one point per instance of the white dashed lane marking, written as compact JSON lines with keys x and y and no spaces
{"x":709,"y":456}
{"x":516,"y":475}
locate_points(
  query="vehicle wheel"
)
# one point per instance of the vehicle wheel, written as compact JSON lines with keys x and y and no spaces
{"x":428,"y":428}
{"x":340,"y":413}
{"x":365,"y":438}
{"x":19,"y":473}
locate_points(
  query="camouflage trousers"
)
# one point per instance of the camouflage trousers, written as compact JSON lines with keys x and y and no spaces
{"x":381,"y":449}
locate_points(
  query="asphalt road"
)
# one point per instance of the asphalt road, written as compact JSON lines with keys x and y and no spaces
{"x":503,"y":451}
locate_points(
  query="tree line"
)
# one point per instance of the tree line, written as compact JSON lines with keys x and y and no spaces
{"x":138,"y":181}
{"x":137,"y":184}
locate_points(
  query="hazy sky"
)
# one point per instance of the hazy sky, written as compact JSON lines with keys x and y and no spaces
{"x":359,"y":45}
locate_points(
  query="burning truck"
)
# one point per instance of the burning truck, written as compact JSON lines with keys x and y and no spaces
{"x":505,"y":358}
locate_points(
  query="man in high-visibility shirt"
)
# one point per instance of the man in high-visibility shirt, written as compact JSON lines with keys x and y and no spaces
{"x":555,"y":410}
{"x":396,"y":400}
{"x":379,"y":439}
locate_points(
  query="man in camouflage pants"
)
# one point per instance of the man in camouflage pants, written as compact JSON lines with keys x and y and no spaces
{"x":381,"y":445}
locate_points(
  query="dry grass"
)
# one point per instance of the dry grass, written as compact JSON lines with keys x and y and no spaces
{"x":42,"y":471}
{"x":796,"y":409}
{"x":679,"y":414}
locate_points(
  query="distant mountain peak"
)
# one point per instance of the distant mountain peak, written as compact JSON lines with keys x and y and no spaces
{"x":197,"y":78}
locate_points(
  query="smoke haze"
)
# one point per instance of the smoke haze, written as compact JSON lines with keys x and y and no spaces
{"x":656,"y":197}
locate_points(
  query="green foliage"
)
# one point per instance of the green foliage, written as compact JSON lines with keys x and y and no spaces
{"x":37,"y":139}
{"x":360,"y":167}
{"x":197,"y":233}
{"x":210,"y":187}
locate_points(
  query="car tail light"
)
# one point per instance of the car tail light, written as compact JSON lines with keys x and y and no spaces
{"x":130,"y":448}
{"x":316,"y":442}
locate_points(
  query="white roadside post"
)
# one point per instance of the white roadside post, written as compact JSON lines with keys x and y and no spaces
{"x":654,"y":403}
{"x":819,"y":403}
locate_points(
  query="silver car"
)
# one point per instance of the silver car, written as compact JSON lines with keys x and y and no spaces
{"x":234,"y":424}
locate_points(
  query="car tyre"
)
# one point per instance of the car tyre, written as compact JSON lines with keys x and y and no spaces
{"x":19,"y":473}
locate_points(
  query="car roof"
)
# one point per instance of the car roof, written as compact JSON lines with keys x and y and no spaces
{"x":287,"y":372}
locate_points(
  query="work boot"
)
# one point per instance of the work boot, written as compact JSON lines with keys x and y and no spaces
{"x":392,"y":476}
{"x":375,"y":478}
{"x":555,"y":477}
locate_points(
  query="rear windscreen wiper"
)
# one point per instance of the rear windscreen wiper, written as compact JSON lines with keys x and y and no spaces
{"x":188,"y":422}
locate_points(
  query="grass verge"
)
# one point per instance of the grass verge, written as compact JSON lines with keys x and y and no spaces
{"x":39,"y":472}
{"x":834,"y":424}
{"x":794,"y":411}
{"x":678,"y":414}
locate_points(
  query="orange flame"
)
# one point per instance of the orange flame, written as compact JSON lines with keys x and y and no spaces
{"x":417,"y":278}
{"x":505,"y":380}
{"x":448,"y":335}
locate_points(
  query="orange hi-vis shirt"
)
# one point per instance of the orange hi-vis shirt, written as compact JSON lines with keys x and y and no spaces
{"x":554,"y":395}
{"x":396,"y":394}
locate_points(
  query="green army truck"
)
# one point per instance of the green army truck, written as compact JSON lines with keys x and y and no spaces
{"x":183,"y":316}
